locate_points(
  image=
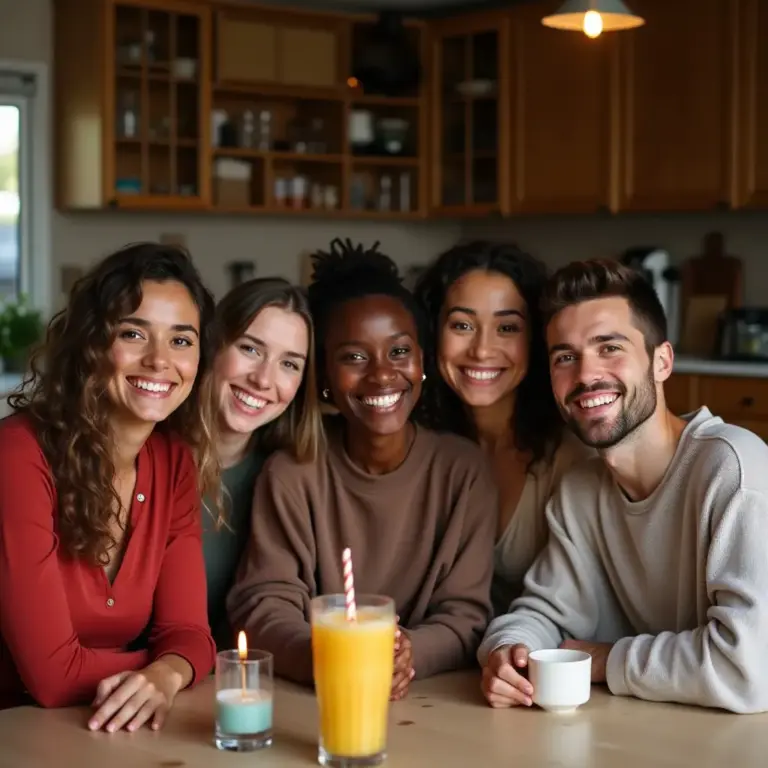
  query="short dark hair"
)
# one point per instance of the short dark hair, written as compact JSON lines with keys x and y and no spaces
{"x":605,"y":278}
{"x":536,"y":424}
{"x":299,"y":428}
{"x":348,"y":272}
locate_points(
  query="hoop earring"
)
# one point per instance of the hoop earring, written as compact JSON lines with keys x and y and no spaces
{"x":326,"y":393}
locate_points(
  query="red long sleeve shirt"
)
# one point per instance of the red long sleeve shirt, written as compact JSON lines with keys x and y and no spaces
{"x":63,"y":626}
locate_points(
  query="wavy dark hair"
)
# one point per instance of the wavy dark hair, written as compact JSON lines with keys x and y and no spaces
{"x":65,"y":395}
{"x":299,"y":429}
{"x":349,"y":271}
{"x":536,"y":423}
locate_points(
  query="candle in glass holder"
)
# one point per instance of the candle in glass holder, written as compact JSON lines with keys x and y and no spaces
{"x":243,"y":698}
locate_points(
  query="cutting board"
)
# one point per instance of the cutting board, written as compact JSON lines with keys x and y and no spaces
{"x":713,"y":273}
{"x":710,"y":284}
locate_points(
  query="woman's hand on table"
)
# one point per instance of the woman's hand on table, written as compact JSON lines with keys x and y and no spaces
{"x":403,"y":673}
{"x":129,"y":699}
{"x":504,"y":683}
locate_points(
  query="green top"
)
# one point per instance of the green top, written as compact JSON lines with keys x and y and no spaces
{"x":224,"y":547}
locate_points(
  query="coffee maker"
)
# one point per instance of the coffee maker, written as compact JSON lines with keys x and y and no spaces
{"x":655,"y":264}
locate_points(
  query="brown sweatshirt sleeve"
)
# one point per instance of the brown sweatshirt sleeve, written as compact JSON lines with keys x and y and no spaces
{"x":271,"y":595}
{"x":460,"y":608}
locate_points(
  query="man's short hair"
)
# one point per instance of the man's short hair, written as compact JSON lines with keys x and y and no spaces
{"x":582,"y":281}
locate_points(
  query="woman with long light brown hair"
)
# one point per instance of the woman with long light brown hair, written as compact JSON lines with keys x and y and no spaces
{"x":102,"y":466}
{"x":264,"y":380}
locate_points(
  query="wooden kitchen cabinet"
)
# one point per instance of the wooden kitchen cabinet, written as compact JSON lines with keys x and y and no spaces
{"x":470,"y":105}
{"x":563,"y":99}
{"x":677,"y":84}
{"x":132,"y":108}
{"x":752,"y":156}
{"x":740,"y":400}
{"x":236,"y":108}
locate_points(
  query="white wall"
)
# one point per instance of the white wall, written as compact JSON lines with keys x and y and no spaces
{"x":274,"y":244}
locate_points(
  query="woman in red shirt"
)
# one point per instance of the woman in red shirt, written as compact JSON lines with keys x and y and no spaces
{"x":101,"y":473}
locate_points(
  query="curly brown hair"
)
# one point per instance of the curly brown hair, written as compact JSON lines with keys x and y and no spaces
{"x":65,"y":395}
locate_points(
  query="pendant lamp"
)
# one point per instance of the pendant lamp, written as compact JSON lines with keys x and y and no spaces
{"x":593,"y":17}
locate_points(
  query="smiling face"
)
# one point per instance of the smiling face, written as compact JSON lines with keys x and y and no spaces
{"x":373,"y":363}
{"x":155,"y":354}
{"x":259,"y":375}
{"x":484,"y":338}
{"x":605,"y":384}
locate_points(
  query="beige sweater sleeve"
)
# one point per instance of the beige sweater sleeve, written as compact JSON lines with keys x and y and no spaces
{"x":722,"y":663}
{"x":271,"y":596}
{"x":563,"y":592}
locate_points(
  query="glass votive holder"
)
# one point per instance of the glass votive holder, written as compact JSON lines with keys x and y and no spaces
{"x":243,"y":700}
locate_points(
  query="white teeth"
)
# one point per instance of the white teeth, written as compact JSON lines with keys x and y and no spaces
{"x":481,"y":375}
{"x":593,"y":402}
{"x":384,"y":401}
{"x":150,"y":386}
{"x":249,"y":400}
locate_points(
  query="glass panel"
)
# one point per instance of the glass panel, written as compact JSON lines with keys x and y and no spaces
{"x":454,"y":61}
{"x":484,"y":187}
{"x":454,"y":125}
{"x":157,"y":102}
{"x":129,"y":50}
{"x":485,"y":56}
{"x":10,"y":205}
{"x":483,"y":105}
{"x":159,"y":170}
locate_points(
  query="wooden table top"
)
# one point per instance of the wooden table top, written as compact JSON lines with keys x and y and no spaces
{"x":443,"y":722}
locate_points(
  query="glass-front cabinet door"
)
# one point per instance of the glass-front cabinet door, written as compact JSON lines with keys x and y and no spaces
{"x":159,"y":128}
{"x":470,"y":85}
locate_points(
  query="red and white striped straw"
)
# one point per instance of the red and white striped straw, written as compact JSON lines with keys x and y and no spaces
{"x":349,"y":584}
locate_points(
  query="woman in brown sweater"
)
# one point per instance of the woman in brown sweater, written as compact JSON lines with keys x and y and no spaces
{"x":417,"y":508}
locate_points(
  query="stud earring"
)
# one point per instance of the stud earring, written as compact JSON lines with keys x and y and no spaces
{"x":423,"y":376}
{"x":326,"y":393}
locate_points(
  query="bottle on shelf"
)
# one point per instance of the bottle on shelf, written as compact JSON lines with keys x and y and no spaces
{"x":385,"y":193}
{"x":265,"y":130}
{"x":247,"y":130}
{"x":128,"y":116}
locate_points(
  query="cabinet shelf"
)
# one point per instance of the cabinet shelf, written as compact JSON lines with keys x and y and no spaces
{"x":255,"y":154}
{"x":259,"y":90}
{"x":387,"y":101}
{"x":395,"y":162}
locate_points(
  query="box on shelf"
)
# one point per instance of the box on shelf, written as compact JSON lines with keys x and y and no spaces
{"x":232,"y":183}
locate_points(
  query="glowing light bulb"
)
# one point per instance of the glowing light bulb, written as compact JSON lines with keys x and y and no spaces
{"x":593,"y":24}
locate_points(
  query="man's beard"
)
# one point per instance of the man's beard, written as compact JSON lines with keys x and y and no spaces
{"x":635,"y":411}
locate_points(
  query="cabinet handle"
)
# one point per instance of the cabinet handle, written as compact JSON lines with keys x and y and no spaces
{"x":747,"y":402}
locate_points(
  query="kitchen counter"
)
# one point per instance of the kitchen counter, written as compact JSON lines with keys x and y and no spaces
{"x":710,"y":367}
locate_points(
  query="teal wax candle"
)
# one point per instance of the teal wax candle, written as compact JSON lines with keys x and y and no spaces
{"x":241,"y":712}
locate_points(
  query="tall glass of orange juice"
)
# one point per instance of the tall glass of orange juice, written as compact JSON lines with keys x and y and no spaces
{"x":353,"y":665}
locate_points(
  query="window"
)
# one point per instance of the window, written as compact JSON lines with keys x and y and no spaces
{"x":24,"y":184}
{"x":10,"y":199}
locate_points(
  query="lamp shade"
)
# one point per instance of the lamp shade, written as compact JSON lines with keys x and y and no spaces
{"x":615,"y":15}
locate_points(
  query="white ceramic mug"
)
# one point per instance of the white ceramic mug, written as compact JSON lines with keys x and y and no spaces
{"x":561,"y":678}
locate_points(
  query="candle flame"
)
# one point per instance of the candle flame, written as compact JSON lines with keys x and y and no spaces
{"x":242,"y":646}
